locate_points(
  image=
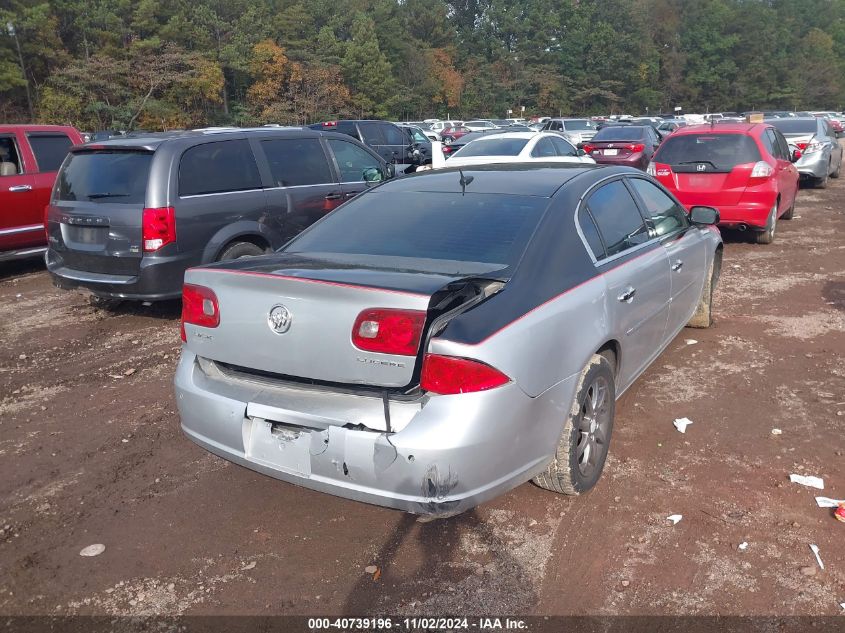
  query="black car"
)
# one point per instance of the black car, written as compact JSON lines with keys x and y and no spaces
{"x":421,"y":143}
{"x":384,"y":137}
{"x":127,"y":217}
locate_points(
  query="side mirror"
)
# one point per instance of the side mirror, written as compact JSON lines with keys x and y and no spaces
{"x":373,"y":174}
{"x":704,"y":215}
{"x":796,"y":155}
{"x":391,"y":170}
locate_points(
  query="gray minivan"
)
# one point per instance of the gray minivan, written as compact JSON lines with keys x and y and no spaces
{"x":127,"y":217}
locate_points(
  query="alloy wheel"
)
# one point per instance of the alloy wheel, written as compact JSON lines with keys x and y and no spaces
{"x":594,"y":420}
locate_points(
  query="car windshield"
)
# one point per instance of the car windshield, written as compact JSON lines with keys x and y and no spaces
{"x":493,"y":147}
{"x":620,"y":133}
{"x":795,"y":126}
{"x":719,"y":150}
{"x":114,"y":177}
{"x":478,"y":228}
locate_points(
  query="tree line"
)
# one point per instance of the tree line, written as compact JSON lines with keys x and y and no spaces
{"x":165,"y":64}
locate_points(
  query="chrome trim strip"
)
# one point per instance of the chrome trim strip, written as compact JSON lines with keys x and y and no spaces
{"x":22,"y":229}
{"x":219,"y":193}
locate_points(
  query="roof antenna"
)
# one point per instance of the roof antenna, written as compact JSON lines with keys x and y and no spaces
{"x":465,"y":180}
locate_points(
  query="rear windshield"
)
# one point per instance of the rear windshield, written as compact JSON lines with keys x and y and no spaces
{"x":112,"y":177}
{"x":494,"y":147}
{"x":795,"y":126}
{"x":719,"y":150}
{"x":473,"y":228}
{"x":620,"y":133}
{"x":579,"y":124}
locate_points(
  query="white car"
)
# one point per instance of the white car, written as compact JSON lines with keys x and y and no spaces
{"x":480,"y":125}
{"x":518,"y":147}
{"x":439,"y":126}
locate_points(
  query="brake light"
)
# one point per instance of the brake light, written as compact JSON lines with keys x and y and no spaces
{"x":199,"y":307}
{"x":812,"y":146}
{"x":589,"y":148}
{"x":636,"y":147}
{"x":389,"y":331}
{"x":158,"y":228}
{"x":762,"y":169}
{"x":801,"y":146}
{"x":448,"y":375}
{"x":330,"y":124}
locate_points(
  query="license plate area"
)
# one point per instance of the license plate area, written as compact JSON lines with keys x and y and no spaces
{"x":611,"y":152}
{"x":85,"y":235}
{"x":280,"y":446}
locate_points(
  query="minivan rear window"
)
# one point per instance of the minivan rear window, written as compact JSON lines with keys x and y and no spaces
{"x":114,"y":177}
{"x":721,"y":151}
{"x":479,"y":228}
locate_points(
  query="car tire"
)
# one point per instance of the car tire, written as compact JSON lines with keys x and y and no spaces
{"x":838,"y":170}
{"x":787,"y":215}
{"x":767,"y":235}
{"x":703,"y":316}
{"x":582,"y":450}
{"x":237,"y":250}
{"x":821,"y":183}
{"x":103,"y":303}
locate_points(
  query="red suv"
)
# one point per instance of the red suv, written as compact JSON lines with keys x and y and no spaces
{"x":744,"y":170}
{"x":30,"y":156}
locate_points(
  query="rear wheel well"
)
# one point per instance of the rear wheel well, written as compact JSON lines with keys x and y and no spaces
{"x":610,"y":350}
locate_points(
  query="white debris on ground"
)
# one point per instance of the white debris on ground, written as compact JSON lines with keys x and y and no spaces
{"x":682,"y":423}
{"x":815,"y":549}
{"x":93,"y":550}
{"x":742,"y":546}
{"x":777,"y":432}
{"x":807,"y":480}
{"x":675,"y":518}
{"x":827,"y":502}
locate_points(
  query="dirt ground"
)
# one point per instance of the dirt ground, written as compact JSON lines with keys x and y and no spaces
{"x":91,"y":452}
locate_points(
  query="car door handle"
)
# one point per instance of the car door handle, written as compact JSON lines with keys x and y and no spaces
{"x":334,"y":196}
{"x":17,"y":188}
{"x":351,"y":194}
{"x":628,"y":295}
{"x":677,"y":265}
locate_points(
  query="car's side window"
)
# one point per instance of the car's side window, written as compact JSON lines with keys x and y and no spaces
{"x":591,"y":233}
{"x":10,"y":162}
{"x":544,"y":148}
{"x":371,"y":133}
{"x":617,"y":217}
{"x":352,"y":160}
{"x":667,"y":215}
{"x":777,"y":150}
{"x":49,"y":149}
{"x":766,"y":138}
{"x":393,"y":135}
{"x":564,"y":148}
{"x":297,"y":161}
{"x":348,"y":128}
{"x":218,"y":167}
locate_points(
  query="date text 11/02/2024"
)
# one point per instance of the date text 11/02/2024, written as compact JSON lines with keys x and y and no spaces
{"x":420,"y":623}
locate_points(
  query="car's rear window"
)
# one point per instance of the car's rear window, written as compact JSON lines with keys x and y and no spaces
{"x":620,"y":133}
{"x":480,"y":228}
{"x":793,"y":126}
{"x":719,"y":150}
{"x":115,"y":177}
{"x":579,"y":124}
{"x":493,"y":147}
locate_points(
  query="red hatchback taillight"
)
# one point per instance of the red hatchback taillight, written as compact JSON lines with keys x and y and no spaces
{"x":389,"y":331}
{"x":448,"y":375}
{"x":761,"y":172}
{"x":199,"y":307}
{"x":158,"y":228}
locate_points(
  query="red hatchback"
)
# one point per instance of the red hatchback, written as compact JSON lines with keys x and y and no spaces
{"x":744,"y":170}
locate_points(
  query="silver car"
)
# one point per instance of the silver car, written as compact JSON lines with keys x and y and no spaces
{"x":814,"y":139}
{"x":446,"y":336}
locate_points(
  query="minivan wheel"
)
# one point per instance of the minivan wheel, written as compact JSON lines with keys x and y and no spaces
{"x":767,"y":235}
{"x":581,"y":453}
{"x":237,"y":250}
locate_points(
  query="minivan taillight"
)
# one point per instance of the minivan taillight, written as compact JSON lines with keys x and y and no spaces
{"x":389,"y":331}
{"x":158,"y":228}
{"x":448,"y":375}
{"x":199,"y":307}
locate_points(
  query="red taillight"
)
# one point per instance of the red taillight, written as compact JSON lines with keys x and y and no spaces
{"x":760,"y":172}
{"x":589,"y":148}
{"x":159,"y":228}
{"x":330,"y":124}
{"x":801,"y":146}
{"x":636,"y":147}
{"x":199,"y":307}
{"x":447,"y":375}
{"x":448,"y":149}
{"x":389,"y":331}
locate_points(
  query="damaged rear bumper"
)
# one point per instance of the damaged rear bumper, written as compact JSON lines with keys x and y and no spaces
{"x":449,"y":454}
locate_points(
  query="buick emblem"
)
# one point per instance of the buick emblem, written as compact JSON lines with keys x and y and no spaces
{"x":279,"y":319}
{"x":701,"y":167}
